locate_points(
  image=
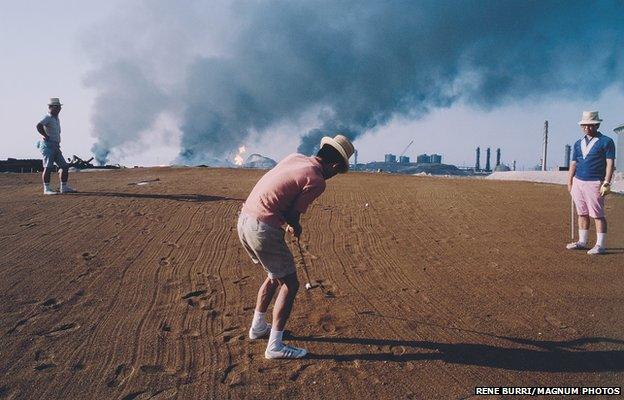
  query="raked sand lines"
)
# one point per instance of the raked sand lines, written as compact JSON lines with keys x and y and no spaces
{"x":147,"y":293}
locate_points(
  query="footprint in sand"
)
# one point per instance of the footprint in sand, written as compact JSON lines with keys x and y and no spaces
{"x":226,"y":372}
{"x":43,"y":360}
{"x":6,"y":393}
{"x":231,"y":328}
{"x":555,"y":322}
{"x":327,"y":323}
{"x":44,"y":366}
{"x":119,"y":376}
{"x":196,"y":293}
{"x":78,"y":367}
{"x":87,"y":256}
{"x":164,"y":261}
{"x":18,"y":325}
{"x":152,"y":395}
{"x":61,"y":330}
{"x":241,"y":281}
{"x":152,"y":369}
{"x":295,"y":375}
{"x":527,"y":291}
{"x":50,"y":303}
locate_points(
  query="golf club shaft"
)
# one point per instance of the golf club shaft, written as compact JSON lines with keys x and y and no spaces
{"x":571,"y":217}
{"x":305,"y":268}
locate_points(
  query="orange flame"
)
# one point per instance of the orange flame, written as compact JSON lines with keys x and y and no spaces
{"x":238,"y":160}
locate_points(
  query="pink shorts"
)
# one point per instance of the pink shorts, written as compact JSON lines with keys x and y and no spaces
{"x":587,"y":198}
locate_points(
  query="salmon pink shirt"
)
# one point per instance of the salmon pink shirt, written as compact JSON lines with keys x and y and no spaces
{"x":293,"y":183}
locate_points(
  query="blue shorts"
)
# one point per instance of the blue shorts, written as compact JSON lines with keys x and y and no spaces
{"x":51,"y":152}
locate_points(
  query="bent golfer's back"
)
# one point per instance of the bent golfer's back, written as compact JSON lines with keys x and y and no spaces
{"x":293,"y":183}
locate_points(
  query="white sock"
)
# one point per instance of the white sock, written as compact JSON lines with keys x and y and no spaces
{"x":583,"y":236}
{"x":275,"y":340}
{"x":601,"y":240}
{"x":258,"y":320}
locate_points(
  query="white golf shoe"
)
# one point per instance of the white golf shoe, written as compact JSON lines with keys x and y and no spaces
{"x":49,"y":192}
{"x":576,"y":246}
{"x":597,"y":250}
{"x":285,"y":352}
{"x":259,"y":333}
{"x":68,"y":189}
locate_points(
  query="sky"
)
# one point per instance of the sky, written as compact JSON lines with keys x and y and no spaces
{"x":154,"y":83}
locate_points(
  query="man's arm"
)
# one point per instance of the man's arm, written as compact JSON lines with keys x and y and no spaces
{"x":609,"y":173}
{"x":292,"y":219}
{"x":571,"y":174}
{"x":42,"y":131}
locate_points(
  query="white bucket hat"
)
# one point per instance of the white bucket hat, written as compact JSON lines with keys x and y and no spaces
{"x":342,"y":144}
{"x":54,"y":101}
{"x":590,"y":118}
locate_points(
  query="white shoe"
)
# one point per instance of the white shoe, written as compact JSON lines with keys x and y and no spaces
{"x":259,"y":333}
{"x":285,"y":352}
{"x":597,"y":250}
{"x":576,"y":246}
{"x":49,"y":191}
{"x":68,"y":189}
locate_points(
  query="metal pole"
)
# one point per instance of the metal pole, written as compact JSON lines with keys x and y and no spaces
{"x":545,"y":146}
{"x":571,"y":217}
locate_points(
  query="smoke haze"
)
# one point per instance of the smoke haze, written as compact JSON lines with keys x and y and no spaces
{"x":228,"y":70}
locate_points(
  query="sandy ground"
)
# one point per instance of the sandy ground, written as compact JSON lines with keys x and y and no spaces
{"x":439,"y":285}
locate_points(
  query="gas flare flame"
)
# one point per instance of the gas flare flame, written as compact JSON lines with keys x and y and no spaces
{"x":238,"y":160}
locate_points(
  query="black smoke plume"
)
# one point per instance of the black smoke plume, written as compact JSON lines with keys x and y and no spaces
{"x":227,"y":70}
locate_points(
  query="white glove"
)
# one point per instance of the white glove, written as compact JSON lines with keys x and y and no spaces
{"x":605,"y":189}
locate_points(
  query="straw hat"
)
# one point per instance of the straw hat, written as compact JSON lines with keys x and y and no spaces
{"x":590,"y":118}
{"x":342,"y":144}
{"x":55,"y":101}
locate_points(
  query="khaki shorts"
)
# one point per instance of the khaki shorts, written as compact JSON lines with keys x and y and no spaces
{"x":266,"y":246}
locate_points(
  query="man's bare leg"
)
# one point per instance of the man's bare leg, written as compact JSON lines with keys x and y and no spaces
{"x":601,"y":225}
{"x":259,"y":327}
{"x":63,"y":175}
{"x":583,"y":232}
{"x":45,"y":176}
{"x":583,"y":222}
{"x":601,"y":235}
{"x":284,"y":301}
{"x":281,"y":311}
{"x":266,"y":293}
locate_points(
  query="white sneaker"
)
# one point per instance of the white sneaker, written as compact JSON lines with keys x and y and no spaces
{"x":285,"y":352}
{"x":576,"y":246}
{"x":68,"y":189}
{"x":259,"y":333}
{"x":597,"y":250}
{"x":49,"y":191}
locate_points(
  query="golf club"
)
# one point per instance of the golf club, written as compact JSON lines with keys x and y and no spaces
{"x":308,"y":284}
{"x":571,"y":217}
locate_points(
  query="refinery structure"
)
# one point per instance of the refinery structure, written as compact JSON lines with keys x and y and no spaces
{"x":432,"y":164}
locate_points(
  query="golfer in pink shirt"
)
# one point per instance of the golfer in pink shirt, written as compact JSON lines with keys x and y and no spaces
{"x":279,"y":198}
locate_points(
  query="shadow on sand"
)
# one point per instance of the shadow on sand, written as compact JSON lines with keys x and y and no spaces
{"x":195,"y":198}
{"x":546,"y":356}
